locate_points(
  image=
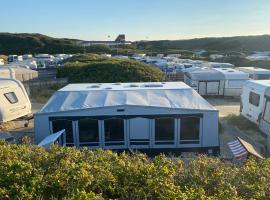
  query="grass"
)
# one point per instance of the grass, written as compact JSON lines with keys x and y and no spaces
{"x":242,"y":123}
{"x":42,"y":95}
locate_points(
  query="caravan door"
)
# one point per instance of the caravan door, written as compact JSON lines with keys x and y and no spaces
{"x":212,"y":88}
{"x":202,"y":88}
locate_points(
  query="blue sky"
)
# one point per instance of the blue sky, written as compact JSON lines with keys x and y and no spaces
{"x":138,"y":19}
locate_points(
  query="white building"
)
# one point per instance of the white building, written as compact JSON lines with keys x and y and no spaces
{"x":152,"y":117}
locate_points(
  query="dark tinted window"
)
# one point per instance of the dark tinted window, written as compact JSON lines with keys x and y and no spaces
{"x":11,"y":97}
{"x":190,"y":130}
{"x":164,"y":129}
{"x":114,"y":130}
{"x":254,"y":98}
{"x":88,"y":131}
{"x":61,"y":124}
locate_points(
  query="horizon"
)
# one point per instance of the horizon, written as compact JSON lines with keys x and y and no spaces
{"x":151,"y":20}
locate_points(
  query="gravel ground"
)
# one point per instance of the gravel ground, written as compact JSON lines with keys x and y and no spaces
{"x":227,"y":106}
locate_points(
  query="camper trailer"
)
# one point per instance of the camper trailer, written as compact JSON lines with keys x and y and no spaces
{"x":255,"y":103}
{"x":216,"y":81}
{"x":256,"y":73}
{"x":233,"y":81}
{"x":206,"y":81}
{"x":17,"y":72}
{"x":151,"y":117}
{"x":14,"y":101}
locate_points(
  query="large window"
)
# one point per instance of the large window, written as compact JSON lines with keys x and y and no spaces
{"x":114,"y":131}
{"x":164,"y":131}
{"x":190,"y":130}
{"x":254,"y":99}
{"x":88,"y":132}
{"x":266,"y":115}
{"x":58,"y":125}
{"x":11,"y":97}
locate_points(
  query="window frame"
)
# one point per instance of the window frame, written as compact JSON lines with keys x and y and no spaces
{"x":251,"y":99}
{"x":74,"y":143}
{"x":165,"y":143}
{"x":13,"y":96}
{"x":114,"y":143}
{"x":192,"y":142}
{"x":91,"y":144}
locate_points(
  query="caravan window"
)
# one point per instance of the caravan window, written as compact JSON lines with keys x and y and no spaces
{"x":190,"y":130}
{"x":254,"y":99}
{"x":11,"y":97}
{"x":114,"y":131}
{"x":164,"y":129}
{"x":88,"y":132}
{"x":266,"y":115}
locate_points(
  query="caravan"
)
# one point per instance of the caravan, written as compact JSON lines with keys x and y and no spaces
{"x":216,"y":81}
{"x":14,"y":101}
{"x":255,"y":103}
{"x":256,"y":73}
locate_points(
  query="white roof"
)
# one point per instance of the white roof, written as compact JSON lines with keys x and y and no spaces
{"x":255,"y":70}
{"x":157,"y":94}
{"x":258,"y":84}
{"x":231,"y":73}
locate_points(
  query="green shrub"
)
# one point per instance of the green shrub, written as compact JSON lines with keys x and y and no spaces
{"x":97,"y":69}
{"x":30,"y":172}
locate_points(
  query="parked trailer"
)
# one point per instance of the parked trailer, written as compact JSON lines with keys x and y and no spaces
{"x":14,"y":101}
{"x":233,"y":81}
{"x":151,"y":117}
{"x":256,"y":73}
{"x":255,"y":103}
{"x":206,"y":81}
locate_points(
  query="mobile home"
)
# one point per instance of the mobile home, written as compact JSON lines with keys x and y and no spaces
{"x":256,"y":73}
{"x":152,"y":117}
{"x":14,"y":101}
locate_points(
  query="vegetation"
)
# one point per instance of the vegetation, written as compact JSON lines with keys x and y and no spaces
{"x":242,"y":123}
{"x":223,"y":44}
{"x":30,"y":172}
{"x":36,"y":43}
{"x":241,"y":61}
{"x":42,"y":95}
{"x":91,"y":68}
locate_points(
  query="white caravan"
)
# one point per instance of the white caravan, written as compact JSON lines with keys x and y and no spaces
{"x":234,"y":81}
{"x":14,"y":101}
{"x":253,"y":99}
{"x":256,"y":73}
{"x":255,"y":103}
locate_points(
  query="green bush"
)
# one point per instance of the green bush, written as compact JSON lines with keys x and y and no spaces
{"x":30,"y":172}
{"x":97,"y":69}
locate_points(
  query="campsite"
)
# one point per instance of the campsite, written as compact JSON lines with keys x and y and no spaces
{"x":153,"y":100}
